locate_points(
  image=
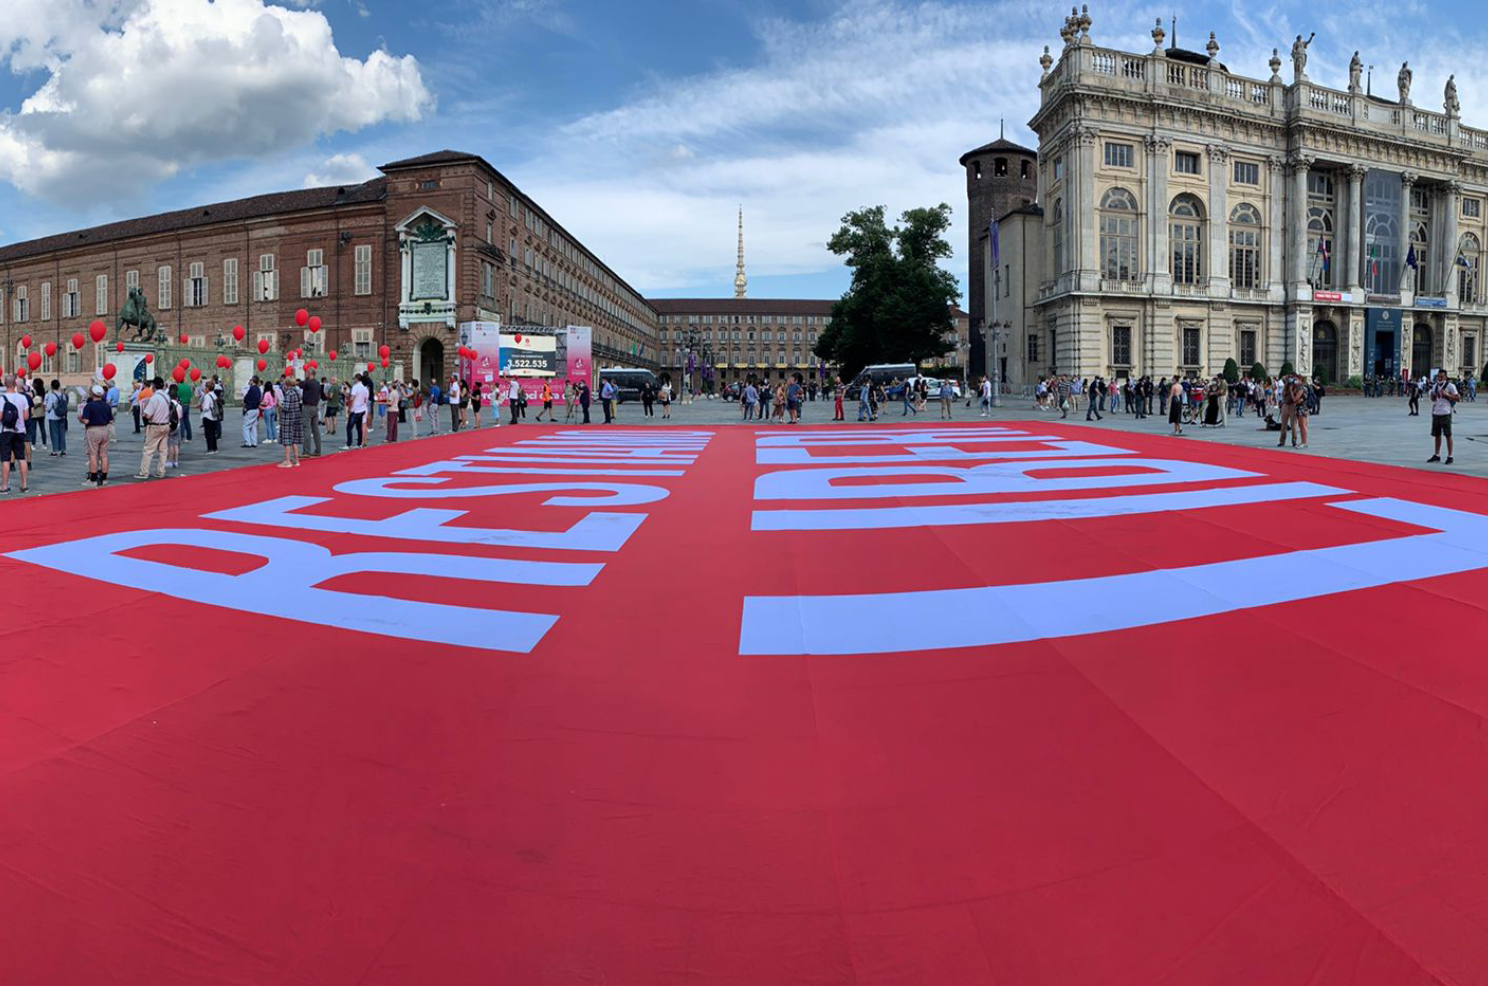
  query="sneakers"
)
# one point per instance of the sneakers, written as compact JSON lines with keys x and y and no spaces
{"x":1434,"y":458}
{"x":141,"y":475}
{"x":1448,"y":462}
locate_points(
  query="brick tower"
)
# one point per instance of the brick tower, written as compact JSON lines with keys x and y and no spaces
{"x":1000,"y":177}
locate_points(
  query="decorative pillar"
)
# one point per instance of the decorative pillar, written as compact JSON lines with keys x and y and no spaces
{"x":1219,"y":221}
{"x":1407,"y":183}
{"x":1276,"y":224}
{"x":1158,"y":263}
{"x":1084,"y":222}
{"x":1297,"y":223}
{"x":1447,"y":255}
{"x":1356,"y":231}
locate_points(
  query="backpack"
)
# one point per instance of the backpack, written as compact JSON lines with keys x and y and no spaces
{"x":175,"y":413}
{"x":9,"y":416}
{"x":62,"y":404}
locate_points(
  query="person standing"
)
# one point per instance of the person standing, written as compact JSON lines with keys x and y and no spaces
{"x":585,"y":397}
{"x":1093,"y":399}
{"x":111,"y":394}
{"x":173,"y":440}
{"x":665,"y":397}
{"x":1175,"y":406}
{"x":1413,"y":399}
{"x":252,"y":398}
{"x":15,"y":410}
{"x":570,"y":400}
{"x":1299,"y":408}
{"x":55,"y":411}
{"x":1288,"y":412}
{"x":985,"y":391}
{"x":648,"y":399}
{"x":513,"y":400}
{"x":211,"y":417}
{"x":1062,"y":395}
{"x":436,"y":398}
{"x":477,"y":403}
{"x":268,"y":410}
{"x":1443,"y":398}
{"x":865,"y":401}
{"x":356,"y":413}
{"x":454,"y":398}
{"x":184,"y":398}
{"x":156,"y":414}
{"x":96,"y":415}
{"x":134,"y":404}
{"x":292,"y":421}
{"x":607,"y":398}
{"x":391,"y":399}
{"x":794,"y":392}
{"x":311,"y":397}
{"x":838,"y":392}
{"x":331,"y":395}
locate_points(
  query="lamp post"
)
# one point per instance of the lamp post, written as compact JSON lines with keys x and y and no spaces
{"x":993,"y":337}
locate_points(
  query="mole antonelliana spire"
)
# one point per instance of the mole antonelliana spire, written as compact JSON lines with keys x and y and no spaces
{"x":741,"y":283}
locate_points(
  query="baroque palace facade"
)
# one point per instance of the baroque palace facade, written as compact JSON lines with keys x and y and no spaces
{"x":398,"y":260}
{"x":1187,"y":215}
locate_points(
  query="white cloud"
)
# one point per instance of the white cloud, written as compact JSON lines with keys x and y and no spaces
{"x":141,"y":90}
{"x":340,"y":169}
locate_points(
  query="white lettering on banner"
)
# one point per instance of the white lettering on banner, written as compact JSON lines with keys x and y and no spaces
{"x":916,"y":436}
{"x":286,"y":586}
{"x":992,"y":478}
{"x":955,"y":514}
{"x":1058,"y":448}
{"x":576,"y":460}
{"x":474,"y":464}
{"x":592,"y":532}
{"x":877,"y":623}
{"x":621,"y":494}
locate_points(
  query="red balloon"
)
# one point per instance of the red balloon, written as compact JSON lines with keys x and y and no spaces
{"x":314,"y":323}
{"x":384,"y":352}
{"x":25,"y":342}
{"x":371,"y":367}
{"x":179,"y":374}
{"x":33,"y":360}
{"x":332,"y":354}
{"x":97,"y":330}
{"x":149,"y":357}
{"x":119,"y":347}
{"x":301,"y":317}
{"x":310,"y":363}
{"x":224,"y":362}
{"x":238,"y":333}
{"x":263,"y":345}
{"x":263,"y":365}
{"x":518,"y":337}
{"x":183,"y":362}
{"x":195,"y":374}
{"x":20,"y":371}
{"x":289,"y":371}
{"x":384,"y":364}
{"x":109,"y":370}
{"x":185,"y":340}
{"x":51,"y":349}
{"x":78,"y":340}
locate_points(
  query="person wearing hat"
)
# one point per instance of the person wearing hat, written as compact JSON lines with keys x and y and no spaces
{"x":97,"y":416}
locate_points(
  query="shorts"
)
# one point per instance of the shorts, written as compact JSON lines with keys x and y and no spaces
{"x":96,"y":437}
{"x":1441,"y":426}
{"x":547,"y":405}
{"x":1300,"y":411}
{"x":12,"y":444}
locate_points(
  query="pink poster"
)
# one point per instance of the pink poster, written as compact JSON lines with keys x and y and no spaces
{"x":570,"y":362}
{"x":482,"y":339}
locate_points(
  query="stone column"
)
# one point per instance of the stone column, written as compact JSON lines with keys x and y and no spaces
{"x":1275,"y":227}
{"x":1447,"y":276}
{"x":1407,"y":183}
{"x":1356,"y":231}
{"x":1219,"y":222}
{"x":1084,"y":222}
{"x":1297,"y":224}
{"x":1158,"y":263}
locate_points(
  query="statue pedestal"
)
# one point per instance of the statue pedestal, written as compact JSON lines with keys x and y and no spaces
{"x":130,"y":364}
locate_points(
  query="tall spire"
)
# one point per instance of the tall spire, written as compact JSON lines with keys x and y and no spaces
{"x":741,"y":283}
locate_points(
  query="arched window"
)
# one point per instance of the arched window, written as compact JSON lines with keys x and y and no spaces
{"x":1186,"y":234}
{"x":1118,"y":235}
{"x":1245,"y":246}
{"x":1025,"y":171}
{"x":1469,"y":253}
{"x":1057,"y":236}
{"x":976,"y":169}
{"x":999,"y":167}
{"x":1321,"y":201}
{"x":1416,"y":278}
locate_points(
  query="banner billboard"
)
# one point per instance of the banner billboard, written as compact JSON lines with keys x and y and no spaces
{"x":484,"y":338}
{"x":541,"y":355}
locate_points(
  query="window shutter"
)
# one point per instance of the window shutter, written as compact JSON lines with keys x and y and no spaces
{"x":258,"y":285}
{"x":206,"y":289}
{"x":186,"y":299}
{"x":304,"y":282}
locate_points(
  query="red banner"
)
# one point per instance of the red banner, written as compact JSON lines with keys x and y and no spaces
{"x":965,"y":704}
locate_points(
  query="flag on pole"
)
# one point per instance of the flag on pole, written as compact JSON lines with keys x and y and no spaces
{"x":1410,"y":257}
{"x":1324,"y":254}
{"x":996,"y":245}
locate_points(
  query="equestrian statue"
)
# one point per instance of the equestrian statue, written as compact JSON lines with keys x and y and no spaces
{"x":136,"y":313}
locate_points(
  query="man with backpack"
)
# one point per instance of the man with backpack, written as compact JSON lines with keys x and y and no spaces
{"x":14,"y":410}
{"x":1443,"y":397}
{"x":158,"y":418}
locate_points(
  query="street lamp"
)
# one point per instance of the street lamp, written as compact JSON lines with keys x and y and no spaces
{"x":991,"y":346}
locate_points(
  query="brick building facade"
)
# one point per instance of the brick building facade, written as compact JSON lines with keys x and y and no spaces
{"x":398,"y":260}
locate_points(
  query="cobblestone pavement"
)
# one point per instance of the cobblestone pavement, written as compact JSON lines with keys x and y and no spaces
{"x":1370,"y":430}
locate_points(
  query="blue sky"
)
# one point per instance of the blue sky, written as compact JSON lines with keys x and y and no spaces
{"x":641,"y":125}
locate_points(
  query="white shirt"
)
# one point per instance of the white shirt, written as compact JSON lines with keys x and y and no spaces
{"x":1439,"y":402}
{"x":515,"y":392}
{"x":358,"y":398}
{"x":22,"y":403}
{"x":156,"y":410}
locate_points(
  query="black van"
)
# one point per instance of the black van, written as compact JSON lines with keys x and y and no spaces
{"x":629,"y":381}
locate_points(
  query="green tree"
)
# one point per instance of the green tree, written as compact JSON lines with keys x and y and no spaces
{"x":1231,"y":371}
{"x":1257,"y":372}
{"x":898,"y":307}
{"x":1287,"y":369}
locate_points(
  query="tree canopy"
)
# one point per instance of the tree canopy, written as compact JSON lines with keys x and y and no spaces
{"x":898,"y":308}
